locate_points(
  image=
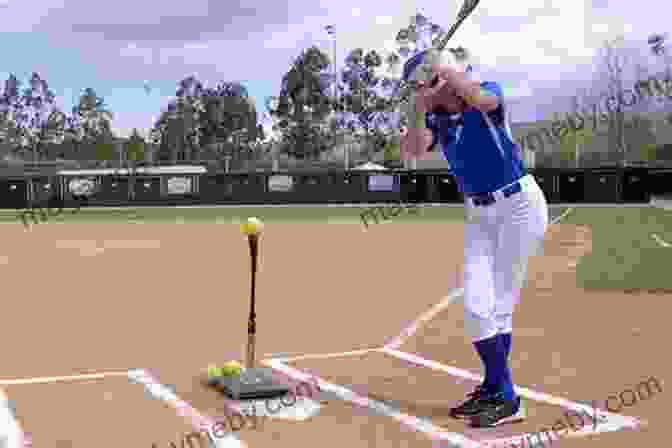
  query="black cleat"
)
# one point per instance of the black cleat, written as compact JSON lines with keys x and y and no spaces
{"x":475,"y":403}
{"x":498,"y":411}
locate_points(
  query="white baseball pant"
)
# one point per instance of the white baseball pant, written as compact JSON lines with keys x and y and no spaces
{"x":499,"y":239}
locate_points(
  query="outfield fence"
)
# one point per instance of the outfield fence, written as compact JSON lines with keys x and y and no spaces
{"x":74,"y":189}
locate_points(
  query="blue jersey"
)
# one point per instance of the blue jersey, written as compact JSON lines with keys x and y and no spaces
{"x":480,"y":151}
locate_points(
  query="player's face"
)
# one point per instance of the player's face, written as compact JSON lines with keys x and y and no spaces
{"x":440,"y":96}
{"x":447,"y":99}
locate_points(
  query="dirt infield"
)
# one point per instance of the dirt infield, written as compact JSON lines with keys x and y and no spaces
{"x":84,"y":299}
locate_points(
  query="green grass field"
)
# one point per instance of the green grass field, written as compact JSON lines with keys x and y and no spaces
{"x":624,"y":256}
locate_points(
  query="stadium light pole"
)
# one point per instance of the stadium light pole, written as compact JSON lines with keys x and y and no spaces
{"x":331,"y":30}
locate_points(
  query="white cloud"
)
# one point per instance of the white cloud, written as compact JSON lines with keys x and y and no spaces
{"x":548,"y":40}
{"x":600,"y":28}
{"x":519,"y":8}
{"x":383,"y":20}
{"x":197,"y":46}
{"x":133,"y":51}
{"x":535,"y":43}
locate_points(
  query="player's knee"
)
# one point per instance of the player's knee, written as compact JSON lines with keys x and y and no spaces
{"x":504,"y":323}
{"x":477,"y":327}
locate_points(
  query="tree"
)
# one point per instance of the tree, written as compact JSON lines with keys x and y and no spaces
{"x":104,"y":151}
{"x":201,"y":118}
{"x":573,"y":144}
{"x":135,"y":148}
{"x":569,"y":146}
{"x":89,"y":126}
{"x":658,"y":44}
{"x":640,"y":135}
{"x":367,"y":105}
{"x":304,"y":105}
{"x":229,"y":119}
{"x":614,"y":59}
{"x":648,"y":152}
{"x":29,"y":118}
{"x":392,"y":151}
{"x":91,"y":118}
{"x":10,"y":108}
{"x":614,"y":64}
{"x":188,"y":102}
{"x":419,"y":35}
{"x":624,"y":133}
{"x":168,"y":134}
{"x":305,"y":140}
{"x":177,"y":132}
{"x":305,"y":86}
{"x":134,"y":153}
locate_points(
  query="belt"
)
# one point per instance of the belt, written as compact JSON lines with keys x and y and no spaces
{"x":485,"y":199}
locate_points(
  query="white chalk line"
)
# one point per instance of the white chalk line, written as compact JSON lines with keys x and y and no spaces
{"x":346,"y":394}
{"x":428,"y":315}
{"x":612,"y":421}
{"x":324,"y":355}
{"x":56,"y":379}
{"x":660,"y":241}
{"x":586,"y":431}
{"x":609,"y":421}
{"x":156,"y":389}
{"x":278,"y":363}
{"x":198,"y":421}
{"x":562,"y":216}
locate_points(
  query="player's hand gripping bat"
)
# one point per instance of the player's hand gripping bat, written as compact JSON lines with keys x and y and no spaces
{"x":465,"y":11}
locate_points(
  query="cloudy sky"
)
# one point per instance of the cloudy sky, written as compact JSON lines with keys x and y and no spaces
{"x":533,"y":47}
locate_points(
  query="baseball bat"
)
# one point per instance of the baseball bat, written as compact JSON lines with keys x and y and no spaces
{"x":465,"y":11}
{"x":252,"y":325}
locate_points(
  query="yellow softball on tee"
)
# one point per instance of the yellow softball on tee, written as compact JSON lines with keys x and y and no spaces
{"x":252,"y":226}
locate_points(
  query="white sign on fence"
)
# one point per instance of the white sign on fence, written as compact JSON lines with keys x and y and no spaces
{"x":179,"y":185}
{"x":82,"y":186}
{"x":280,"y":183}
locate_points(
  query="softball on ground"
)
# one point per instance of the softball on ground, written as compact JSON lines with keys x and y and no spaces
{"x":214,"y":372}
{"x":253,"y":226}
{"x":231,"y":368}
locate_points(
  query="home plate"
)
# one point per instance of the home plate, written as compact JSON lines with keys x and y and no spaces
{"x":292,"y":408}
{"x":10,"y":433}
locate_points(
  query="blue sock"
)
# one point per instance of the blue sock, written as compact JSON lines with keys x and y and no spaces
{"x":487,"y":350}
{"x":505,"y":382}
{"x":506,"y":339}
